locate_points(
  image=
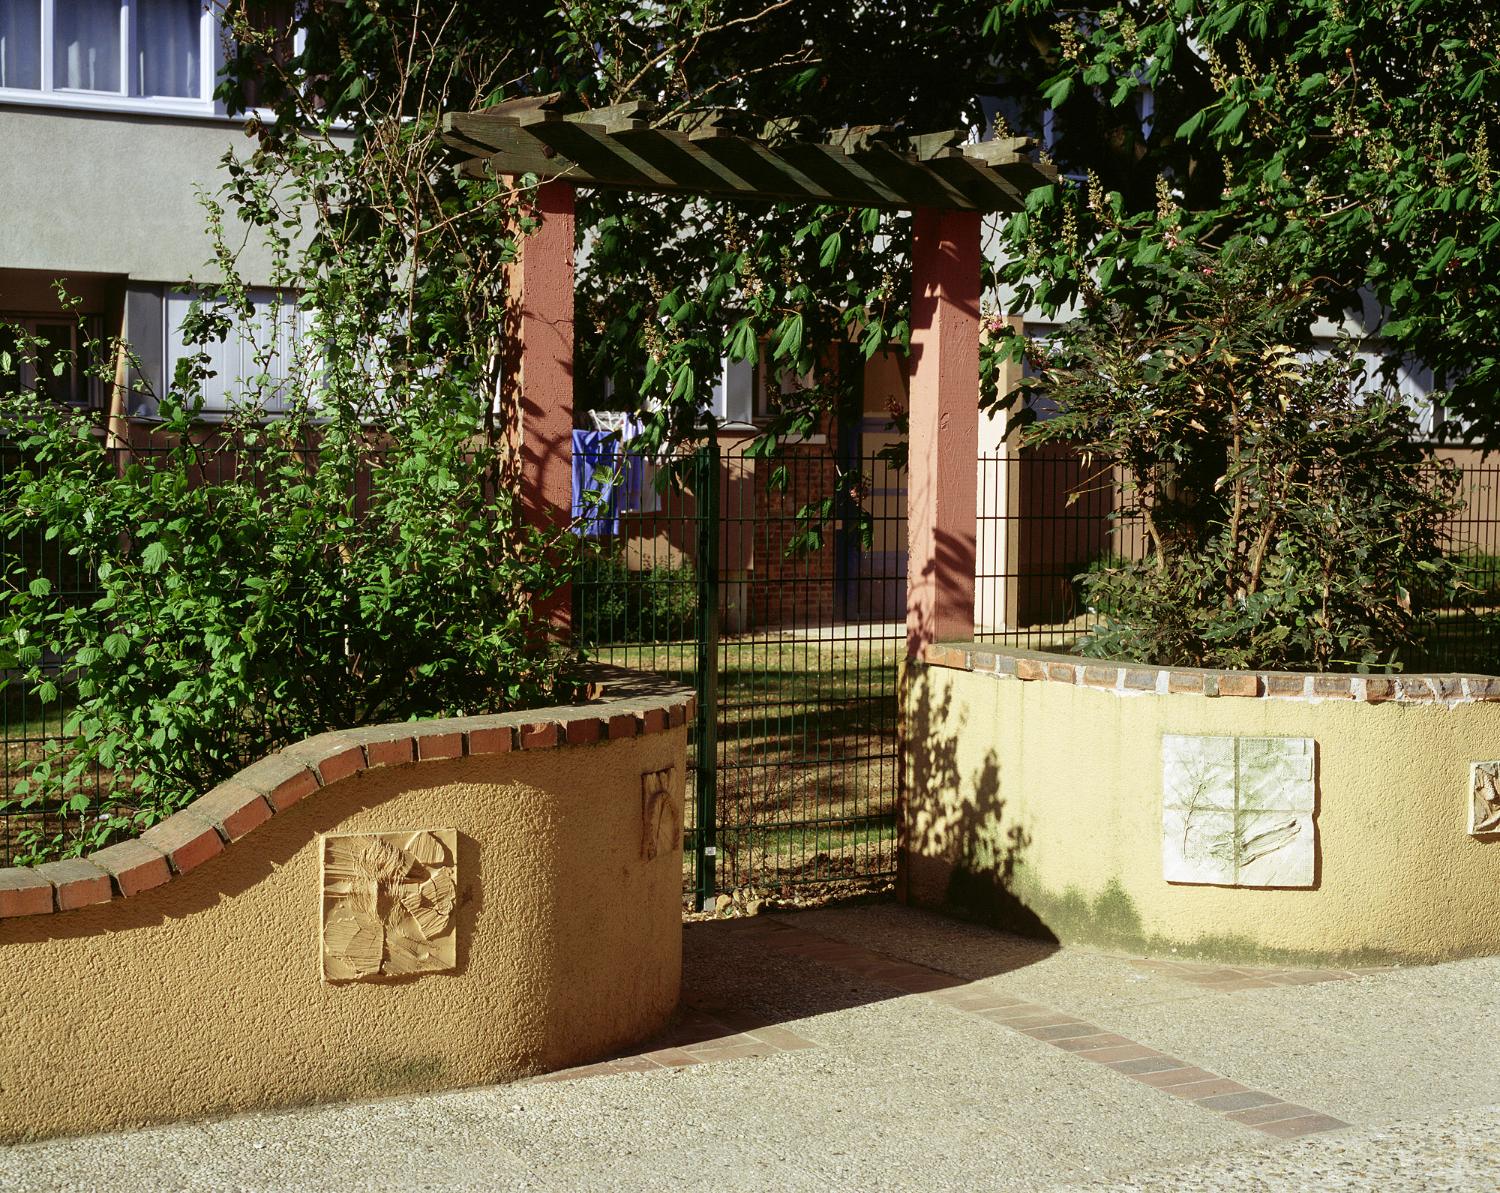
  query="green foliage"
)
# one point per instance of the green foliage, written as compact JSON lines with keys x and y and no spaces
{"x":1291,"y":521}
{"x":1478,"y":577}
{"x":360,"y":556}
{"x":1355,"y":137}
{"x":618,"y":604}
{"x":281,"y":601}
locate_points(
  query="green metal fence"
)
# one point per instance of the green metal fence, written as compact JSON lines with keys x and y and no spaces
{"x":1047,"y":518}
{"x":790,"y":630}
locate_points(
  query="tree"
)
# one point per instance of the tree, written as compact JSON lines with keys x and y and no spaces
{"x":1292,"y":522}
{"x":669,"y":286}
{"x":1354,"y":137}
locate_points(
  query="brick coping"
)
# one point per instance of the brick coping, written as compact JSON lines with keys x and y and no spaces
{"x":237,"y":806}
{"x":1141,"y":679}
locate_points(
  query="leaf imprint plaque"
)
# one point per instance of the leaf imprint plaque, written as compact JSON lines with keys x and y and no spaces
{"x":1238,"y":811}
{"x":388,"y":902}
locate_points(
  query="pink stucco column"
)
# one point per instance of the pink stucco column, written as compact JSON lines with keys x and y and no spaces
{"x":943,"y":436}
{"x":544,"y":279}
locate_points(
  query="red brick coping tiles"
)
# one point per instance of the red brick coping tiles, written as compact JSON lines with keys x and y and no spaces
{"x":1136,"y":679}
{"x":1177,"y":1078}
{"x":237,"y":806}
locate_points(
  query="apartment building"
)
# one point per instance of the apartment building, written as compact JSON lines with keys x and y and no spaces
{"x":109,"y":132}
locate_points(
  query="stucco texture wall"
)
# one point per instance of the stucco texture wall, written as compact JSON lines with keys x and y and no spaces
{"x":1038,"y":807}
{"x":103,"y":193}
{"x":205,"y":995}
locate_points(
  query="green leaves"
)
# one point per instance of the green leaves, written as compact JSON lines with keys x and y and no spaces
{"x":155,"y":557}
{"x":367,"y":578}
{"x":1291,"y":520}
{"x":1356,"y":138}
{"x":833,"y":245}
{"x":789,"y":338}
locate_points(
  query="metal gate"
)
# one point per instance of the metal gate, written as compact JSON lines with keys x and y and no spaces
{"x":753,"y":581}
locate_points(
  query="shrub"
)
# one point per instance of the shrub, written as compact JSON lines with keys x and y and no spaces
{"x":1292,"y":521}
{"x":364,"y":559}
{"x":616,"y":604}
{"x":239,"y":614}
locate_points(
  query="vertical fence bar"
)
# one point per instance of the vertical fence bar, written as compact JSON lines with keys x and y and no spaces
{"x":706,"y":849}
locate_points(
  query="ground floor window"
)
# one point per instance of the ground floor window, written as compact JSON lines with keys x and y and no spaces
{"x":51,"y":354}
{"x":251,"y":366}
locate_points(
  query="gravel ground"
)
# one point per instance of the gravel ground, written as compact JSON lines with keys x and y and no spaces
{"x":1451,"y":1152}
{"x":901,"y":1092}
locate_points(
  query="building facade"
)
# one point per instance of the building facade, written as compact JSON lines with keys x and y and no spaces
{"x":110,"y":136}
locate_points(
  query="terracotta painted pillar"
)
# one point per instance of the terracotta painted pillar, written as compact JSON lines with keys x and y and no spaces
{"x":943,"y":437}
{"x":543,"y":278}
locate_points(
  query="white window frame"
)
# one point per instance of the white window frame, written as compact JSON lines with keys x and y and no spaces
{"x":290,"y":324}
{"x":210,"y":61}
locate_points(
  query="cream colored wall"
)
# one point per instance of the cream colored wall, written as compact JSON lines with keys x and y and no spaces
{"x":1037,"y":805}
{"x":204,"y":995}
{"x":96,"y":192}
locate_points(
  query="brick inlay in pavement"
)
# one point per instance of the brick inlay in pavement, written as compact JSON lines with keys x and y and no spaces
{"x":1212,"y":1092}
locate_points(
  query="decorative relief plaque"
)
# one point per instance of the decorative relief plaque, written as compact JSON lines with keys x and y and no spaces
{"x":660,"y":830}
{"x":1484,"y":799}
{"x":388,"y":901}
{"x":1238,"y":811}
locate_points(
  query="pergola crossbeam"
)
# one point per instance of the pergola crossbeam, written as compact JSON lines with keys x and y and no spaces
{"x":861,"y":166}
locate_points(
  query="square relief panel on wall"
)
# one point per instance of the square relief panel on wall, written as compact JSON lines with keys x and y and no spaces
{"x":660,"y":830}
{"x":388,"y":902}
{"x":1238,"y":811}
{"x":1484,"y":799}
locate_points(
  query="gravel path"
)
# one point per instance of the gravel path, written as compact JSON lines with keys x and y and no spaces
{"x":942,"y":1073}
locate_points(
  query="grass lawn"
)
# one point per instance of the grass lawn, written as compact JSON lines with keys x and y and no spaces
{"x":806,"y":759}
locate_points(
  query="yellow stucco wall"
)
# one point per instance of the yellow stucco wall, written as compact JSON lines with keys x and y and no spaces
{"x":1038,"y":806}
{"x":205,"y":996}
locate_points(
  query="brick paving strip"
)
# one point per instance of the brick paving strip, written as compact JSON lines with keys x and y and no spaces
{"x":1179,"y":1078}
{"x":702,"y":1034}
{"x":1239,"y":977}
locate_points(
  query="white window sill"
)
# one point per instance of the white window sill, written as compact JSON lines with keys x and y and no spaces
{"x":131,"y":105}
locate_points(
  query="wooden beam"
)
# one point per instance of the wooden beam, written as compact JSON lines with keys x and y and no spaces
{"x":864,"y":166}
{"x":838,"y":173}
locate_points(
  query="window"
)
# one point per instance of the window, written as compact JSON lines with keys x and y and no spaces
{"x":155,"y":55}
{"x":733,"y":397}
{"x":252,"y":362}
{"x":59,"y":366}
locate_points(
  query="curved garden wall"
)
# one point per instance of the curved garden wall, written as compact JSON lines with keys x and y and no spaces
{"x":1317,"y":820}
{"x":400,"y":908}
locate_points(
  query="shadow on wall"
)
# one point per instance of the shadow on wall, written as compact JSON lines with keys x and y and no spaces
{"x":956,"y":822}
{"x":966,"y":854}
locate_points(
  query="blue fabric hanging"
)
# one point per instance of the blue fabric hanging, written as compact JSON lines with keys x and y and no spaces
{"x":595,"y":459}
{"x":635,"y":468}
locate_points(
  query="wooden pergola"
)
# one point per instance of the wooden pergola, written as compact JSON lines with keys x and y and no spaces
{"x":711,"y":155}
{"x":946,"y":183}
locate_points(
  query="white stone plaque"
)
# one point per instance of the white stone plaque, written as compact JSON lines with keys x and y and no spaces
{"x":1238,"y":811}
{"x":1484,"y":799}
